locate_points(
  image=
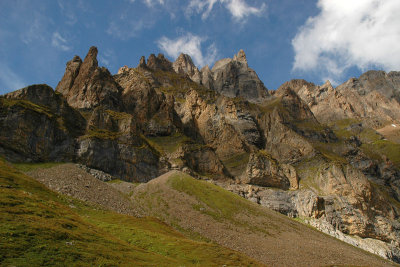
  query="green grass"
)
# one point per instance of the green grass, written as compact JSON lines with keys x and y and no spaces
{"x":269,"y":106}
{"x":219,"y":203}
{"x":168,"y":144}
{"x":118,"y":115}
{"x":42,"y":228}
{"x":26,"y":167}
{"x":26,"y":105}
{"x":387,"y":148}
{"x":308,"y":171}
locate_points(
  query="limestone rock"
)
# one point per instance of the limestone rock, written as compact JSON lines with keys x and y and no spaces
{"x":23,"y":111}
{"x":142,"y":63}
{"x":159,"y":63}
{"x":373,"y":97}
{"x":185,"y":65}
{"x":233,"y":78}
{"x":85,"y":85}
{"x":263,"y":170}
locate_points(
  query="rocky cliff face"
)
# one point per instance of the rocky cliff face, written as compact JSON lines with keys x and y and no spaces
{"x":85,"y":85}
{"x":230,"y":77}
{"x":372,"y":98}
{"x":307,"y":151}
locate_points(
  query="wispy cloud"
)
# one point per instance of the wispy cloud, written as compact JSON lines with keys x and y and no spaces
{"x":239,"y":9}
{"x":189,"y":44}
{"x":59,"y":42}
{"x":10,"y":79}
{"x":107,"y":57}
{"x":35,"y":28}
{"x":346,"y":34}
{"x":125,"y":27}
{"x":150,"y":3}
{"x":67,"y":9}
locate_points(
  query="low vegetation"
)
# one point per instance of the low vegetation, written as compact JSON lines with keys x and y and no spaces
{"x":24,"y":104}
{"x":219,"y":203}
{"x":47,"y":229}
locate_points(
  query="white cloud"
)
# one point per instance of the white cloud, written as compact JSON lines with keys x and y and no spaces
{"x":345,"y":34}
{"x":239,"y":9}
{"x":59,"y":42}
{"x":35,"y":28}
{"x":125,"y":27}
{"x":150,"y":3}
{"x":189,"y":44}
{"x":107,"y":57}
{"x":10,"y":79}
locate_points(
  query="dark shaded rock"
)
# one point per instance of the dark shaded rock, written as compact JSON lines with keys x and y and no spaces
{"x":38,"y":125}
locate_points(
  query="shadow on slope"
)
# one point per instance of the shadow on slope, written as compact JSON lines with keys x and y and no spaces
{"x":40,"y":227}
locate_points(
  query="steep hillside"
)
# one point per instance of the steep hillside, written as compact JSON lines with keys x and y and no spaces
{"x":200,"y":207}
{"x":42,"y":228}
{"x":329,"y":156}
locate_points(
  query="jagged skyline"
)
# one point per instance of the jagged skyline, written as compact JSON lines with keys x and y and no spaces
{"x":310,"y":39}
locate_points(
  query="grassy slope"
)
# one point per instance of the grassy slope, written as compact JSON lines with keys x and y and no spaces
{"x":202,"y":208}
{"x":40,"y":227}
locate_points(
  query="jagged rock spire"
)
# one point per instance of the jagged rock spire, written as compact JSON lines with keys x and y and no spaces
{"x":159,"y":63}
{"x":85,"y":85}
{"x":184,"y":65}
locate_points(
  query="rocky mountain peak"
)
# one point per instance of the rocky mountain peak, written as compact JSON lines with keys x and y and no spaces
{"x":159,"y":63}
{"x":184,"y":64}
{"x":123,"y":69}
{"x":142,"y":62}
{"x":232,"y":77}
{"x":86,"y":85}
{"x":241,"y":57}
{"x":296,"y":85}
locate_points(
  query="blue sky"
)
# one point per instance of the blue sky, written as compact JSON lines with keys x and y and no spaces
{"x":283,"y":39}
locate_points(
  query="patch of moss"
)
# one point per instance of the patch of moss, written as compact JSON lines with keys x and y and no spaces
{"x":118,"y":115}
{"x":308,"y":171}
{"x":369,"y":135}
{"x":269,"y":106}
{"x":101,"y":134}
{"x":381,"y":148}
{"x":25,"y":104}
{"x":328,"y":150}
{"x":168,"y":144}
{"x":309,"y":125}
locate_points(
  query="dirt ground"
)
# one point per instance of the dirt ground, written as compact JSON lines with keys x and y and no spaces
{"x":266,"y":236}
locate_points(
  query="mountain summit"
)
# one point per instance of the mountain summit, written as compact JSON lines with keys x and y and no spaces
{"x":327,"y":156}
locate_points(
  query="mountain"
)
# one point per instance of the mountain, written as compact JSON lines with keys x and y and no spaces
{"x":327,"y":156}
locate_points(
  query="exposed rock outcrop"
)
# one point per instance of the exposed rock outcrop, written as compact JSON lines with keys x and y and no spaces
{"x":23,"y":111}
{"x":306,"y":151}
{"x":85,"y":85}
{"x":373,"y":98}
{"x":185,"y":65}
{"x":234,"y":78}
{"x":263,"y":170}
